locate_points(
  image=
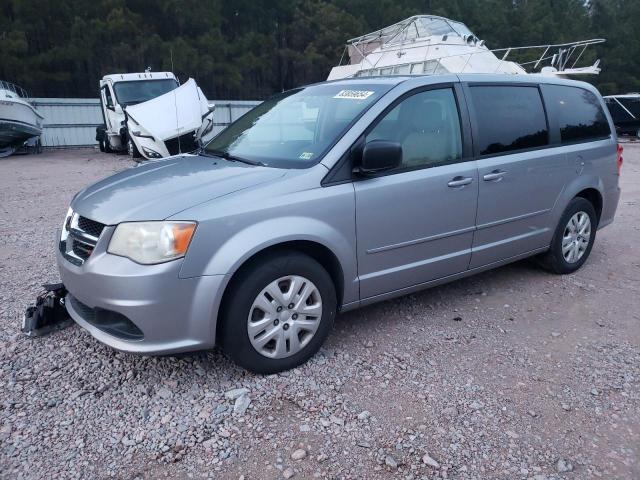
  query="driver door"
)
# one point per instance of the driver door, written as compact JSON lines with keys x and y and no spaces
{"x":108,"y":108}
{"x":415,"y":224}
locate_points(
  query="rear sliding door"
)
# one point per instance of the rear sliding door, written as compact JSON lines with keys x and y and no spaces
{"x":521,"y":173}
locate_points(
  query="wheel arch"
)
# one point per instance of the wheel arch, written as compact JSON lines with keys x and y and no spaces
{"x":594,"y":197}
{"x":589,"y":187}
{"x":319,"y":252}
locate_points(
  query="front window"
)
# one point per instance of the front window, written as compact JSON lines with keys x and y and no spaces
{"x":427,"y":126}
{"x":296,"y":128}
{"x":131,"y":93}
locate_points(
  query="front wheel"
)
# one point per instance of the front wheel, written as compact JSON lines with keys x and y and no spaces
{"x":573,"y":239}
{"x":132,"y":150}
{"x":278,"y":313}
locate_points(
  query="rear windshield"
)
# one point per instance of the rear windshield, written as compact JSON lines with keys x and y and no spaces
{"x":578,"y":112}
{"x":130,"y":93}
{"x":296,"y":128}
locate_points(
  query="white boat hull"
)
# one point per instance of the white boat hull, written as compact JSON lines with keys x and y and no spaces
{"x":19,"y":121}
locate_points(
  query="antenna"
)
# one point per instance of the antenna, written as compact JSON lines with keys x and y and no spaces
{"x":175,"y":102}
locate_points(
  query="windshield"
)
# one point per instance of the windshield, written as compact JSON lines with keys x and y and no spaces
{"x":296,"y":128}
{"x":130,"y":93}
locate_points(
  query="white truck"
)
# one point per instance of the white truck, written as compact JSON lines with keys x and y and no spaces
{"x":150,"y":115}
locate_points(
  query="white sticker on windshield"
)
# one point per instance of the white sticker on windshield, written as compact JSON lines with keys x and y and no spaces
{"x":354,"y":94}
{"x":306,"y":155}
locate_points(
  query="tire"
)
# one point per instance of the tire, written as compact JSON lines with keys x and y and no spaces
{"x":106,"y":144}
{"x":250,"y":285}
{"x":555,"y":260}
{"x":101,"y":146}
{"x":132,"y":150}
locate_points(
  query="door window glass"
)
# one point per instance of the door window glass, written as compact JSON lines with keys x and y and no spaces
{"x":509,"y":118}
{"x":427,"y":126}
{"x":579,"y":113}
{"x":108,"y":98}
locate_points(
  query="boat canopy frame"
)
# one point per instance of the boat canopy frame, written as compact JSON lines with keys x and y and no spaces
{"x":12,"y":87}
{"x":406,"y":34}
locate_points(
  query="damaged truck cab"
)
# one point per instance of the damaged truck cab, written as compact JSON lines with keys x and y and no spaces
{"x":149,"y":115}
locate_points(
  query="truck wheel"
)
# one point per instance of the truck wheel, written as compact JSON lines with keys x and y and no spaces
{"x":132,"y":150}
{"x":101,"y":145}
{"x":106,"y":144}
{"x":278,"y":312}
{"x":573,"y":238}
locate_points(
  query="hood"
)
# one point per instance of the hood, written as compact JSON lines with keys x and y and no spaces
{"x":160,"y":189}
{"x":172,"y":114}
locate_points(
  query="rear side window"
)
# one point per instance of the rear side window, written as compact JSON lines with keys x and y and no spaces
{"x":578,"y":112}
{"x":509,"y":118}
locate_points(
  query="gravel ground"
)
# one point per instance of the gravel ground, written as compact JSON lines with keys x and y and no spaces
{"x":514,"y":374}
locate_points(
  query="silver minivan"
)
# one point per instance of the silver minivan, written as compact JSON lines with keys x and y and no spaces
{"x":333,"y":196}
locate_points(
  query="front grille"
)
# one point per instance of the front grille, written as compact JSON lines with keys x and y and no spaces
{"x":89,"y":226}
{"x":82,"y":250}
{"x":183,"y":144}
{"x":79,"y":238}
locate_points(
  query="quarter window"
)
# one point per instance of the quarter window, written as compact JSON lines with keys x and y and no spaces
{"x":579,"y":113}
{"x":427,"y":125}
{"x":509,"y":118}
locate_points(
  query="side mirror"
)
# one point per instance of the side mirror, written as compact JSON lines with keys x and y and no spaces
{"x":380,"y":155}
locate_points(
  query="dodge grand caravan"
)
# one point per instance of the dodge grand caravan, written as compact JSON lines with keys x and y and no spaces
{"x":333,"y":196}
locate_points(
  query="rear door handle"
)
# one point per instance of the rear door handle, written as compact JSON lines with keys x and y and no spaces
{"x":459,"y":182}
{"x":494,"y":176}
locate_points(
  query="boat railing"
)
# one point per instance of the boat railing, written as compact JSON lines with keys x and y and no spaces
{"x":561,"y":56}
{"x":11,"y":87}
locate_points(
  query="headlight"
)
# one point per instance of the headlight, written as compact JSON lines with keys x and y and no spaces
{"x":151,"y":153}
{"x":151,"y":242}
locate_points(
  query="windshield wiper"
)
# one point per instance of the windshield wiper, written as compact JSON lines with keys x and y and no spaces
{"x":228,"y":156}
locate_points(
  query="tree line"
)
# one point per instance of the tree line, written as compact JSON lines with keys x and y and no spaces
{"x":250,"y":49}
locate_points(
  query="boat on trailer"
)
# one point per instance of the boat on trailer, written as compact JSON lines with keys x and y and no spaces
{"x":19,"y":120}
{"x":428,"y":44}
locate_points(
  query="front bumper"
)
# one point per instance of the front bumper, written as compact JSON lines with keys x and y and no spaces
{"x":173,"y":314}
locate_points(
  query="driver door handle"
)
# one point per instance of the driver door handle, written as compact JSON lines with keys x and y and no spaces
{"x":459,"y":182}
{"x":494,"y":176}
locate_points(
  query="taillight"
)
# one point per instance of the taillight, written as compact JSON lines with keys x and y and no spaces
{"x":619,"y":158}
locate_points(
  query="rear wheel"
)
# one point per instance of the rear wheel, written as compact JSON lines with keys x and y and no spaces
{"x":278,"y":312}
{"x":573,"y":239}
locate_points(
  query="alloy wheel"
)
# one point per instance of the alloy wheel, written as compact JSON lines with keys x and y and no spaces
{"x":575,"y":239}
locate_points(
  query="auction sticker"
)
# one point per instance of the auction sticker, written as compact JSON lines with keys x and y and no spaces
{"x":354,"y":94}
